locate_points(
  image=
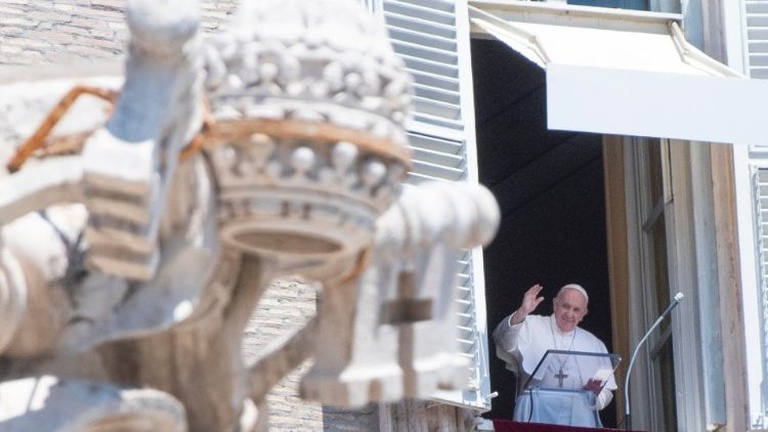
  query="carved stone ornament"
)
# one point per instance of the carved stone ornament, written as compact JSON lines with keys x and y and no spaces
{"x":134,"y":249}
{"x":309,"y":109}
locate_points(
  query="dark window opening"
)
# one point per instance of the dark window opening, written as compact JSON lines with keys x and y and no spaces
{"x":550,"y":187}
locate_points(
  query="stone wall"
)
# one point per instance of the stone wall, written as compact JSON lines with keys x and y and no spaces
{"x":286,"y":305}
{"x":36,"y":32}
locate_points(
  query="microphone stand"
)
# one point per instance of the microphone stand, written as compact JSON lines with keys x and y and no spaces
{"x":675,"y":301}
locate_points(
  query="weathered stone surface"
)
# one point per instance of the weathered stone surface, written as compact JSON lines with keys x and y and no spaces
{"x":51,"y":404}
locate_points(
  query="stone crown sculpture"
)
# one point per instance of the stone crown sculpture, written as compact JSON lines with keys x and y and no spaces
{"x":309,"y":109}
{"x":129,"y":269}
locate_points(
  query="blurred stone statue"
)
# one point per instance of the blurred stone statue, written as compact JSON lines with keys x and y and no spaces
{"x":130,"y":264}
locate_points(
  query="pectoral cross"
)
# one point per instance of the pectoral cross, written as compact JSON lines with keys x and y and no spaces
{"x":561,"y":376}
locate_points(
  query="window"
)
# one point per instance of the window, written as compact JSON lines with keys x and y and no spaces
{"x":654,"y":196}
{"x":667,"y":6}
{"x":623,"y":4}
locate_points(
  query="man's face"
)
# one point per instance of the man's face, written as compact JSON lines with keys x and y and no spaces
{"x":570,"y":308}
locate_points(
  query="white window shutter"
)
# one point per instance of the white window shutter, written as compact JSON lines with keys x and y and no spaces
{"x":757,"y":37}
{"x":432,"y":37}
{"x":761,"y":219}
{"x":756,"y":34}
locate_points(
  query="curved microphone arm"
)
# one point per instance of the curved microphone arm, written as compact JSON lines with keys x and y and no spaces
{"x":675,"y":301}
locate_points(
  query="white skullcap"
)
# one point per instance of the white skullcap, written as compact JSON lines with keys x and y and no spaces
{"x":576,"y":287}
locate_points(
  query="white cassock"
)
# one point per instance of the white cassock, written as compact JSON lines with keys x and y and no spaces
{"x":522,"y":346}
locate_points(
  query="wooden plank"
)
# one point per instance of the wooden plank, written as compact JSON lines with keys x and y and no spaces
{"x":618,"y":266}
{"x":731,"y":315}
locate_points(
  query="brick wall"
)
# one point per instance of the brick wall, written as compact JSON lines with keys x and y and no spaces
{"x":285,"y":306}
{"x":69,"y":31}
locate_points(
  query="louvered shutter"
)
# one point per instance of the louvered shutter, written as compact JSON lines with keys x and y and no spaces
{"x":761,"y":224}
{"x":756,"y":43}
{"x":757,"y":37}
{"x":432,"y":37}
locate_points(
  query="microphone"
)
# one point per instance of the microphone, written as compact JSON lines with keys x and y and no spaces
{"x":673,"y":304}
{"x":675,"y":301}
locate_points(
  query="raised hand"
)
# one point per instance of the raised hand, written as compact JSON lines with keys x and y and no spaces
{"x":531,"y":301}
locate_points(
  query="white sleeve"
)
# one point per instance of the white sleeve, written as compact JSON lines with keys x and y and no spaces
{"x":606,"y":393}
{"x":604,"y":398}
{"x":506,"y":337}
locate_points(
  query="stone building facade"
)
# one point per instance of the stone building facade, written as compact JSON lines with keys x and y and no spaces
{"x":34,"y":32}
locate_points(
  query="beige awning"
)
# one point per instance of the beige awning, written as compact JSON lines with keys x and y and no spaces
{"x":628,"y":73}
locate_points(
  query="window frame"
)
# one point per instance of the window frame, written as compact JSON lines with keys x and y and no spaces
{"x":748,"y":161}
{"x":685,"y":264}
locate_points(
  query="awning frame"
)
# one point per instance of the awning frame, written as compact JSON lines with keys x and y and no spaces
{"x":499,"y":14}
{"x":622,"y":72}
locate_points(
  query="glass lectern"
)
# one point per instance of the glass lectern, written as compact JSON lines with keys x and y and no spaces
{"x":556,"y":390}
